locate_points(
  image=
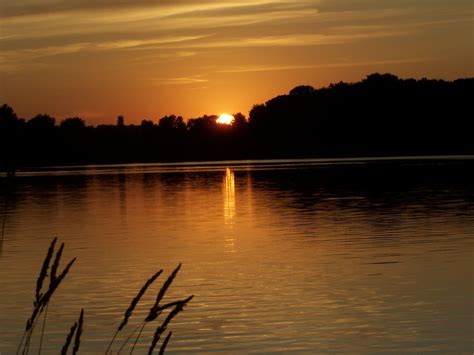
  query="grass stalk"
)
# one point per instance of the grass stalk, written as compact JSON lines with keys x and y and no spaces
{"x":43,"y":273}
{"x":42,"y":298}
{"x":29,"y":334}
{"x":154,"y":310}
{"x":133,"y":304}
{"x":165,"y":343}
{"x":162,"y":328}
{"x":69,"y":339}
{"x":42,"y":329}
{"x":128,"y":338}
{"x":138,"y":337}
{"x":54,"y":267}
{"x":77,"y":339}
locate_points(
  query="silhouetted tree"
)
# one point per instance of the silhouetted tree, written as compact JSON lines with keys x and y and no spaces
{"x":305,"y":90}
{"x":380,"y":115}
{"x":7,"y":116}
{"x":120,"y":121}
{"x":239,"y":120}
{"x":171,"y":122}
{"x":147,"y":124}
{"x":73,"y":124}
{"x":9,"y":138}
{"x":41,"y":122}
{"x":258,"y":116}
{"x":202,"y":124}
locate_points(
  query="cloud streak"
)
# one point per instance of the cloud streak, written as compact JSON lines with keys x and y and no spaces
{"x":179,"y":81}
{"x":181,"y":46}
{"x":344,"y":64}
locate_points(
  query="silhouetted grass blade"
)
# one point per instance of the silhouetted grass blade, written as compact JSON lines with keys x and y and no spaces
{"x":133,"y":304}
{"x":165,"y":343}
{"x":68,"y":339}
{"x":154,"y":311}
{"x":178,"y":308}
{"x":43,"y":274}
{"x":42,"y":303}
{"x":77,"y":339}
{"x":55,"y":266}
{"x":135,"y":301}
{"x":55,"y":285}
{"x":42,"y":299}
{"x":162,"y":328}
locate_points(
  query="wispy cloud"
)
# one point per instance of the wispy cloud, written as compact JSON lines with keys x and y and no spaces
{"x":348,"y":63}
{"x":142,"y":43}
{"x":14,"y":59}
{"x":292,"y":40}
{"x":151,"y":20}
{"x":179,"y":80}
{"x":182,"y":46}
{"x":146,"y":24}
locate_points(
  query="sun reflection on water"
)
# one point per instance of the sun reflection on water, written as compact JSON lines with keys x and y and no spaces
{"x":229,"y":197}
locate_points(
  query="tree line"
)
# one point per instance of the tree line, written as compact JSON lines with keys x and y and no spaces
{"x":379,"y":116}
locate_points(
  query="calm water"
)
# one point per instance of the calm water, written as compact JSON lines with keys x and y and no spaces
{"x":284,"y":256}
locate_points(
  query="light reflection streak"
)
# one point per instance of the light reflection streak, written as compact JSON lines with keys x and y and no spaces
{"x":229,"y":197}
{"x":229,"y":208}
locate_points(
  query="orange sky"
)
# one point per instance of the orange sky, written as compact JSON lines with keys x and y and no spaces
{"x":147,"y":58}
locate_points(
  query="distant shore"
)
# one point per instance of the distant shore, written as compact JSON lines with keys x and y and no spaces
{"x":380,"y":116}
{"x":463,"y":161}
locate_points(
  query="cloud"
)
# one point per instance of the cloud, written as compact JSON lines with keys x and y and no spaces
{"x":30,"y":8}
{"x":14,"y":59}
{"x":143,"y":43}
{"x":157,"y":20}
{"x":263,"y":68}
{"x":182,"y":45}
{"x":37,"y":29}
{"x":180,"y":80}
{"x":245,"y":9}
{"x":291,"y":40}
{"x":15,"y":8}
{"x":363,"y":5}
{"x":142,"y":23}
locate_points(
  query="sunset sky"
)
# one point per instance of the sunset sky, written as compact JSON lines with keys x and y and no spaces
{"x":144,"y":59}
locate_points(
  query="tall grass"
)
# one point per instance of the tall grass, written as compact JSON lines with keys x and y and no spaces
{"x":133,"y":304}
{"x":42,"y":297}
{"x":154,"y":312}
{"x":49,"y":276}
{"x":76,"y":330}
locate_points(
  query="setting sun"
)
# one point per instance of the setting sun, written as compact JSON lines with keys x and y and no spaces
{"x":225,"y":119}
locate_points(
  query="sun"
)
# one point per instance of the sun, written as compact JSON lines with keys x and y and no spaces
{"x":225,"y":119}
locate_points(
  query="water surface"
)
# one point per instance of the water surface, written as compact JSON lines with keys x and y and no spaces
{"x":284,"y":256}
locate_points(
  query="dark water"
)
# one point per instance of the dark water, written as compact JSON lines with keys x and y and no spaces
{"x":359,"y":256}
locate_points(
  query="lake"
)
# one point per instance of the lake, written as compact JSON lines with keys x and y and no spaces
{"x":291,"y":256}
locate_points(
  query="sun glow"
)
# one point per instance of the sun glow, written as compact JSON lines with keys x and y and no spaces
{"x":225,"y":119}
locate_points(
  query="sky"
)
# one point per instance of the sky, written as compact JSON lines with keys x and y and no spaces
{"x":144,"y":59}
